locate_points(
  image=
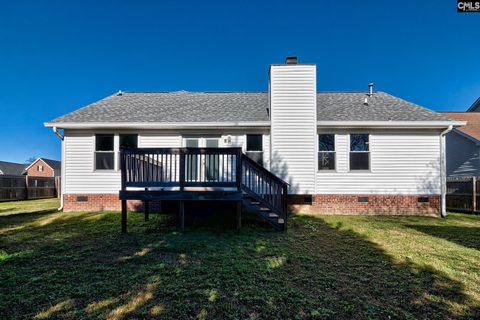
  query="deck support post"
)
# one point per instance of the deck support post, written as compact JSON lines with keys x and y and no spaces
{"x":124,"y":216}
{"x":238,"y":218}
{"x":181,"y":217}
{"x":146,"y":209}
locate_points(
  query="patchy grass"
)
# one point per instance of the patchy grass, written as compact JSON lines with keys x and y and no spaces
{"x":78,"y":265}
{"x":42,"y":205}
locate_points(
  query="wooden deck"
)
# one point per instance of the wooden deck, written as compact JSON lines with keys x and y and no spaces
{"x":201,"y":174}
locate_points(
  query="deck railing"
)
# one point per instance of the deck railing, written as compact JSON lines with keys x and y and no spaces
{"x":181,"y":167}
{"x":264,"y":186}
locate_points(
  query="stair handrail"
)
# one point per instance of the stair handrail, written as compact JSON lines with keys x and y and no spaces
{"x":280,"y":209}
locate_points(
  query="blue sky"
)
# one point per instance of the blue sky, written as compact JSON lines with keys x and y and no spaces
{"x":56,"y":56}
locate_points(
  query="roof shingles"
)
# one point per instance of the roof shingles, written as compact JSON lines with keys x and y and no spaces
{"x":473,"y":122}
{"x":183,"y":106}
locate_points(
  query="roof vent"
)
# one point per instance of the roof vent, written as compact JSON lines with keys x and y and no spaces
{"x":370,"y":89}
{"x":291,"y":60}
{"x":119,"y":93}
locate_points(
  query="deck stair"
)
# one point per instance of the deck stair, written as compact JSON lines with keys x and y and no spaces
{"x":264,"y":193}
{"x":253,"y":206}
{"x":202,"y":174}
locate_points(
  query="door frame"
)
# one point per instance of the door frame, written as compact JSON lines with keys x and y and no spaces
{"x":202,"y":143}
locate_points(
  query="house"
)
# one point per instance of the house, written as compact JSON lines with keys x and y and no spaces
{"x":11,"y":168}
{"x":43,"y":167}
{"x":340,"y":152}
{"x":475,"y":107}
{"x":463,"y":144}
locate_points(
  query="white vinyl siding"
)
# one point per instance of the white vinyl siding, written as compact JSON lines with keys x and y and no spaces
{"x":462,"y":155}
{"x":402,"y":162}
{"x":293,"y":130}
{"x":80,"y":176}
{"x":79,"y":147}
{"x":159,"y":140}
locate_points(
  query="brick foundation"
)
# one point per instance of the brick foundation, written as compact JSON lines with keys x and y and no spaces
{"x":319,"y":204}
{"x":376,"y":205}
{"x":97,"y":202}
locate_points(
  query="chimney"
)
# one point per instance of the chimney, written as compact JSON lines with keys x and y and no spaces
{"x":370,"y":89}
{"x":291,"y":60}
{"x":293,"y":116}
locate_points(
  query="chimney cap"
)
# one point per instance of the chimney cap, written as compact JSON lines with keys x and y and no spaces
{"x":291,"y":60}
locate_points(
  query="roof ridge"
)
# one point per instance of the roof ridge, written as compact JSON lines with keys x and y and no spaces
{"x":466,"y":112}
{"x":12,"y":162}
{"x":49,"y":159}
{"x":194,"y":91}
{"x":186,"y":91}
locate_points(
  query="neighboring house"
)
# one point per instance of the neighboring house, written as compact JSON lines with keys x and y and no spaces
{"x":463,"y":145}
{"x":43,"y":167}
{"x":475,"y":107}
{"x":11,"y":168}
{"x":341,"y":152}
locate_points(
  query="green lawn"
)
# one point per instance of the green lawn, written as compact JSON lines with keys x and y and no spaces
{"x":14,"y":207}
{"x":78,"y":265}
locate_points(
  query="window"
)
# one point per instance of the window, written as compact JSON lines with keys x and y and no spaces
{"x":255,"y":148}
{"x":326,"y":152}
{"x":128,"y":141}
{"x":359,"y":152}
{"x":104,"y":154}
{"x":40,"y":168}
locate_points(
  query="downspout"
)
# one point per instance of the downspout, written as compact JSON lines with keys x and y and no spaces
{"x":55,"y":130}
{"x":443,"y":174}
{"x":61,"y":136}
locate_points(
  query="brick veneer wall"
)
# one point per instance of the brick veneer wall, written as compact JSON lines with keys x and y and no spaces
{"x":97,"y":202}
{"x":33,"y":170}
{"x":376,"y":205}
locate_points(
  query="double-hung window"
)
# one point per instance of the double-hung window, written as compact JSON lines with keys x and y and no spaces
{"x":255,"y":148}
{"x":104,"y":152}
{"x":326,"y":152}
{"x":359,"y":152}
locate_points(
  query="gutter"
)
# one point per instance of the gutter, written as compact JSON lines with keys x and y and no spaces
{"x":250,"y":124}
{"x":61,"y":136}
{"x":390,"y":124}
{"x":443,"y":178}
{"x":156,"y":125}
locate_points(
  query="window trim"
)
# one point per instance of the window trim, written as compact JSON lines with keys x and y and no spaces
{"x":368,"y":152}
{"x":115,"y":146}
{"x":40,"y":168}
{"x":262,"y":152}
{"x":334,"y":152}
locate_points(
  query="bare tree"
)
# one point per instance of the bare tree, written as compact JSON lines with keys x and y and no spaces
{"x":30,"y":160}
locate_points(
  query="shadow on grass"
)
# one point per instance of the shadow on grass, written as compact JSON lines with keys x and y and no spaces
{"x":79,"y":266}
{"x":466,"y":236}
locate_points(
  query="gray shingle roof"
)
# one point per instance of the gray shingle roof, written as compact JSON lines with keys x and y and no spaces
{"x":54,"y":164}
{"x":350,"y":106}
{"x":178,"y":106}
{"x":182,"y":106}
{"x":11,"y":168}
